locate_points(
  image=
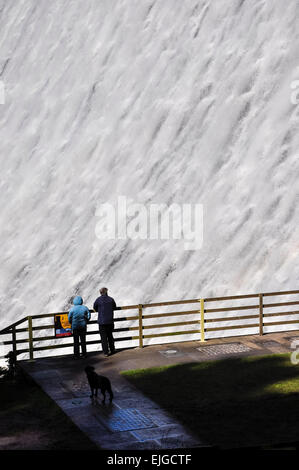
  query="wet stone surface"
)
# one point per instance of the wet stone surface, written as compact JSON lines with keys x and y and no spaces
{"x":269,"y":344}
{"x":119,"y":419}
{"x":294,"y":340}
{"x":79,"y":389}
{"x":158,"y":433}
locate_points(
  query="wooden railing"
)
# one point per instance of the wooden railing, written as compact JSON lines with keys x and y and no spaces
{"x":203,"y":321}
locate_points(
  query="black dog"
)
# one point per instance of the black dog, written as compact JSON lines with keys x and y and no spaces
{"x":98,"y":382}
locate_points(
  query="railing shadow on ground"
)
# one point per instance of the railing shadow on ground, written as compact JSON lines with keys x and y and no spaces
{"x":239,"y":402}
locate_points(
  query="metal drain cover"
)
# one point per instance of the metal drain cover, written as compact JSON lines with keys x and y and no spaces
{"x":171,"y":353}
{"x":223,"y":349}
{"x":117,"y":420}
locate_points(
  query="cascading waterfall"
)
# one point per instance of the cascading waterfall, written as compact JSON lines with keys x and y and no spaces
{"x":156,"y":102}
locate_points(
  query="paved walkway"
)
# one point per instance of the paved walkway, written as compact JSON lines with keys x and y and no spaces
{"x":133,"y":421}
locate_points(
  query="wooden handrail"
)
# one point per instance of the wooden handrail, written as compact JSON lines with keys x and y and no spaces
{"x":8,"y":329}
{"x":137,"y":322}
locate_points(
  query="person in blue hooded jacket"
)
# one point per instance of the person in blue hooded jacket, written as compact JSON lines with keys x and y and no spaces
{"x":78,"y":317}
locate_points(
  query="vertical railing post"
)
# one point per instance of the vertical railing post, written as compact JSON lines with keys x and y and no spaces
{"x":14,"y":340}
{"x":261,"y":319}
{"x":30,"y":338}
{"x":140,"y":326}
{"x":202,"y":320}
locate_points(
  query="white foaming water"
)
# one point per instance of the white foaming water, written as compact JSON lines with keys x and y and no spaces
{"x":161,"y":102}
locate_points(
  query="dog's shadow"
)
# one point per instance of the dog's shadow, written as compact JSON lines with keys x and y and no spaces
{"x":98,"y":403}
{"x":102,"y":411}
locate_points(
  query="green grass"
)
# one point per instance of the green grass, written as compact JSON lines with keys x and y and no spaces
{"x":250,"y":401}
{"x":30,"y":420}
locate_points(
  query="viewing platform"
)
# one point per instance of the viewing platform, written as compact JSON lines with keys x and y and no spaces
{"x":204,"y":329}
{"x":134,"y":421}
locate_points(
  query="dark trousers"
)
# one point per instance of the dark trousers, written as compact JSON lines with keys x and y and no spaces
{"x":107,"y":337}
{"x":79,"y":337}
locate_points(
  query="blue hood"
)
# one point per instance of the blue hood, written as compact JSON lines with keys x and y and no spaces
{"x":79,"y":314}
{"x":78,"y":300}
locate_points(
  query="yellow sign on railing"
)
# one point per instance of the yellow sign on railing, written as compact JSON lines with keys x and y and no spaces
{"x":63,"y":327}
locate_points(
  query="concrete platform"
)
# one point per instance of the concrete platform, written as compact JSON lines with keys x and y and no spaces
{"x":133,"y":421}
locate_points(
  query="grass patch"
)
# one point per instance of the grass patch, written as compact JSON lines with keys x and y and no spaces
{"x":249,"y":401}
{"x":30,"y":420}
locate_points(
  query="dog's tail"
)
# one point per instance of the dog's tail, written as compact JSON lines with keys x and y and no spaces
{"x":110,"y":393}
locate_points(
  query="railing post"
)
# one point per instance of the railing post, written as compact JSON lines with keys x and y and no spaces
{"x":140,"y":326}
{"x":14,"y":340}
{"x":30,"y":339}
{"x":261,"y":308}
{"x":202,"y":320}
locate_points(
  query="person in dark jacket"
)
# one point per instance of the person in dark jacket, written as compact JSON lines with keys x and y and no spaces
{"x":78,"y":317}
{"x":105,"y":307}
